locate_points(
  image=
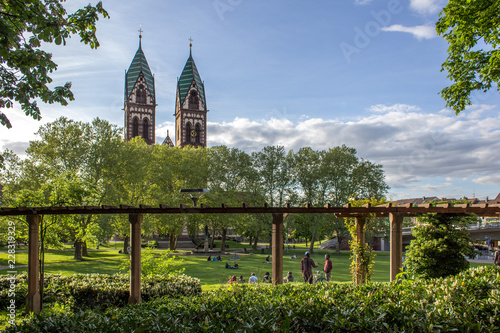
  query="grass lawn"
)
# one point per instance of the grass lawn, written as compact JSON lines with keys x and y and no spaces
{"x":55,"y":256}
{"x":215,"y":273}
{"x":211,"y":274}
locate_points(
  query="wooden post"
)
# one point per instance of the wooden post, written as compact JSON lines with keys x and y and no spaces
{"x":277,"y":249}
{"x":360,"y":238}
{"x":396,"y":222}
{"x":135,"y":258}
{"x":33,"y":301}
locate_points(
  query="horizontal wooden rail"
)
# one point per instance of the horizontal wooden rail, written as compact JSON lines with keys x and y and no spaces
{"x":344,"y":211}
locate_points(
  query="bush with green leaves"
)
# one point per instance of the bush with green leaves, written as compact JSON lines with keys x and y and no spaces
{"x":159,"y":262}
{"x":100,"y":291}
{"x":440,"y":246}
{"x":467,"y":302}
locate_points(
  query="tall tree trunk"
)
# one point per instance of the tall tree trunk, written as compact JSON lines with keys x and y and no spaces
{"x":223,"y":240}
{"x":250,"y":241}
{"x":84,"y":249}
{"x":125,"y":244}
{"x":311,"y":245}
{"x":256,"y":240}
{"x":337,"y":248}
{"x":212,"y":241}
{"x":78,"y":250}
{"x":172,"y":242}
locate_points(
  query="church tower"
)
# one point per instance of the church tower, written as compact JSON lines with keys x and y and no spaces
{"x":190,"y":107}
{"x":140,"y":102}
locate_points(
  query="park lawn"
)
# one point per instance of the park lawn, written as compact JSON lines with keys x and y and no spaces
{"x":214,"y":274}
{"x":211,"y":273}
{"x":60,"y":256}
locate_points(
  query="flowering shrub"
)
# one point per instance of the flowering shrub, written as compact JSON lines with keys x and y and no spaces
{"x":467,"y":302}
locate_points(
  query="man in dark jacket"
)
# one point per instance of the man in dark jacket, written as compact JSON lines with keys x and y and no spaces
{"x":306,"y":265}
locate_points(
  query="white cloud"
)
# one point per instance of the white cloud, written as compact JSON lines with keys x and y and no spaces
{"x":488,"y":180}
{"x":362,"y":2}
{"x":427,"y":7}
{"x":413,"y":146}
{"x":420,"y":152}
{"x":382,"y":108}
{"x":419,"y":32}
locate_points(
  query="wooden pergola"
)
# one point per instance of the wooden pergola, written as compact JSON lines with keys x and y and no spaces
{"x":394,"y":213}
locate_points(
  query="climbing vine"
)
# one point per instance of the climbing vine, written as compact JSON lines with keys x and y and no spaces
{"x":362,"y":254}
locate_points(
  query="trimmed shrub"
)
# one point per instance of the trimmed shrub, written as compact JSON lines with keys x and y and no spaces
{"x":100,"y":291}
{"x":440,"y":246}
{"x":468,"y":302}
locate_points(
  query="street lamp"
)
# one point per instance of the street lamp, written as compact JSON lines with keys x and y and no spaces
{"x":198,"y":193}
{"x":195,"y":191}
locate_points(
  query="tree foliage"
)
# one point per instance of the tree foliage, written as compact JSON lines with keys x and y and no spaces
{"x":24,"y":67}
{"x":75,"y":163}
{"x":440,"y":246}
{"x":472,"y":29}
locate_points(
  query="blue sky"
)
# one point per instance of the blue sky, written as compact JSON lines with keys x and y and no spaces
{"x":294,"y":73}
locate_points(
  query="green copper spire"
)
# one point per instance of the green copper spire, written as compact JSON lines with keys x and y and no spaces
{"x":190,"y":74}
{"x":139,"y":65}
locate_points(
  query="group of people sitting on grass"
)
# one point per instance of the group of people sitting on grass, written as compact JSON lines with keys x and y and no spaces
{"x":265,"y":279}
{"x":232,"y":267}
{"x":218,"y":258}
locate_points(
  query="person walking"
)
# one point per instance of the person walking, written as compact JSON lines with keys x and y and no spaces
{"x":306,"y":265}
{"x":328,"y":267}
{"x":497,"y":256}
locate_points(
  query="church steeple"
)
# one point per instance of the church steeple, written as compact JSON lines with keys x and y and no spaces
{"x":140,"y":101}
{"x":191,"y":106}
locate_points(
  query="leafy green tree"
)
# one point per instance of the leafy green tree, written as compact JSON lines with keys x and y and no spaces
{"x":25,"y":67}
{"x":332,"y":176}
{"x":75,"y":162}
{"x":170,"y":170}
{"x":130,"y":184}
{"x":273,"y":171}
{"x":471,"y":29}
{"x":229,"y":173}
{"x":440,"y":246}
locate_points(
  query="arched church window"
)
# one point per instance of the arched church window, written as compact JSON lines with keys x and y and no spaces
{"x":193,"y":99}
{"x":145,"y":130}
{"x":141,"y":95}
{"x":197,"y":132}
{"x":135,"y":127}
{"x":188,"y":132}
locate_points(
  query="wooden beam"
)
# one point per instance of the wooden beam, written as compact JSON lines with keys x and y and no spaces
{"x":33,"y":300}
{"x":396,"y":223}
{"x":360,"y":238}
{"x":277,"y":249}
{"x":135,"y":258}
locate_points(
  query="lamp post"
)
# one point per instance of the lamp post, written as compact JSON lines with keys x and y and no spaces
{"x":196,"y":194}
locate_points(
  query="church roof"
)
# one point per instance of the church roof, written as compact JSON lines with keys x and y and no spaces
{"x":168,"y":142}
{"x":190,"y":73}
{"x":139,"y":64}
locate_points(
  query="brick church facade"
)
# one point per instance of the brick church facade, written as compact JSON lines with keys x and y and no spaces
{"x":140,"y":104}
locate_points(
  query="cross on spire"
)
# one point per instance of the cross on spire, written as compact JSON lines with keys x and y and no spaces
{"x":190,"y":42}
{"x":140,"y":31}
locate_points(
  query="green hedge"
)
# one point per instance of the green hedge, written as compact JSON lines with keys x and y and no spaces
{"x":99,"y":291}
{"x":468,"y":302}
